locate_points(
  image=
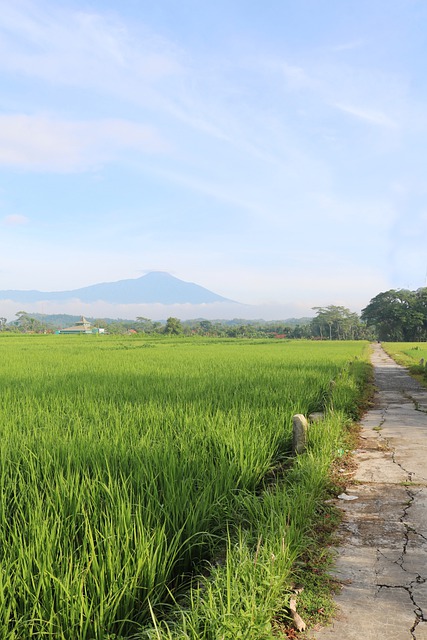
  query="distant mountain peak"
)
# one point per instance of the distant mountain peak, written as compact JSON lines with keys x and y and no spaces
{"x":157,"y":274}
{"x":154,"y":287}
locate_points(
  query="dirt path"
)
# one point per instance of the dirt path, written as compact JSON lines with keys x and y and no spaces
{"x":382,"y":563}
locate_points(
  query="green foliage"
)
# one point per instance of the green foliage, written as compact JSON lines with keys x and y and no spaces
{"x":337,"y":323}
{"x":330,"y":323}
{"x":412,"y":355}
{"x":173,"y":326}
{"x":124,"y":468}
{"x":398,"y":315}
{"x":246,"y":594}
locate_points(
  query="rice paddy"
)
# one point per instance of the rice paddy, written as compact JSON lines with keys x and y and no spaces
{"x":408,"y":353}
{"x":127,"y":463}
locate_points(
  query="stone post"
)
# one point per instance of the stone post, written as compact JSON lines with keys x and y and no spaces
{"x":299,"y":433}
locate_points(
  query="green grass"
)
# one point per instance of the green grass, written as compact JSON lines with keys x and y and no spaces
{"x":128,"y":466}
{"x":412,"y":355}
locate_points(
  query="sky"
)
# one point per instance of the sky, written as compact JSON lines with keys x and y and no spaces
{"x":273,"y":152}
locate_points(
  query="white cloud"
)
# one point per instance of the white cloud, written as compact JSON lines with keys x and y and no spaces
{"x":296,"y":76}
{"x":41,"y":142}
{"x":266,"y":147}
{"x":218,"y":310}
{"x":15,"y":220}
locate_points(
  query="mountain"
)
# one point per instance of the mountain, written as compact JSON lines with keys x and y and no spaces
{"x":154,"y":287}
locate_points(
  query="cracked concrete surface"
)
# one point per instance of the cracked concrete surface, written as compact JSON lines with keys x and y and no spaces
{"x":382,"y":563}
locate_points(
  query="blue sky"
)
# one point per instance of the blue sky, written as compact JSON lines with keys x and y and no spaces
{"x":274,"y":152}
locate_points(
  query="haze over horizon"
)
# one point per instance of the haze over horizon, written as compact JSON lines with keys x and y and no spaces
{"x":155,"y":295}
{"x":272,"y":153}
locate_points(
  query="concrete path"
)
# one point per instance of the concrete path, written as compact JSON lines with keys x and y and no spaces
{"x":382,"y":563}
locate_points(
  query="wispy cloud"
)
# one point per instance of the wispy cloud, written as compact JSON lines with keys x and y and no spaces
{"x":370,"y":116}
{"x":229,"y":160}
{"x":347,"y":46}
{"x":83,"y":48}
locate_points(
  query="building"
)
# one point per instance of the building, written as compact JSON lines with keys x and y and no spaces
{"x":82,"y":326}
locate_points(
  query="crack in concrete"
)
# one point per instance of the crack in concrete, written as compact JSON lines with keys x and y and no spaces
{"x":418,"y":610}
{"x":419,"y":579}
{"x":383,"y":568}
{"x":421,"y":535}
{"x":401,"y":560}
{"x":412,"y":630}
{"x":393,"y":457}
{"x":417,"y":405}
{"x":419,"y":616}
{"x":383,"y":417}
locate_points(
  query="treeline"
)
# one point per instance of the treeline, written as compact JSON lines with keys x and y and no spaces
{"x":237,"y":328}
{"x":330,"y":323}
{"x":398,"y":315}
{"x":393,"y":316}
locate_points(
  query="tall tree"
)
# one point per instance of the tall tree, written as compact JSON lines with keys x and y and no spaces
{"x":25,"y":322}
{"x":144,"y":324}
{"x":335,"y":323}
{"x":421,"y":308}
{"x":398,"y":314}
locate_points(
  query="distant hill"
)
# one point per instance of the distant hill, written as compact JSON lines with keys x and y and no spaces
{"x":154,"y":287}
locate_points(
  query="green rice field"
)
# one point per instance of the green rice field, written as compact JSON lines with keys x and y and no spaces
{"x":127,"y":463}
{"x":412,"y":355}
{"x":408,"y":353}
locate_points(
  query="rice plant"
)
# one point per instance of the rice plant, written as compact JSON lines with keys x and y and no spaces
{"x":124,"y":468}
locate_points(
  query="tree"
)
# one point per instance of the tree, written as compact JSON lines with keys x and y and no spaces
{"x":398,"y":315}
{"x":173,"y":326}
{"x":205,"y":326}
{"x":2,"y":323}
{"x":118,"y":327}
{"x":337,"y":323}
{"x":22,"y":318}
{"x":421,"y":308}
{"x":26,"y":323}
{"x":100,"y":323}
{"x":144,"y":324}
{"x":298,"y":331}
